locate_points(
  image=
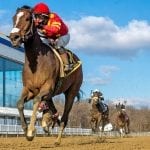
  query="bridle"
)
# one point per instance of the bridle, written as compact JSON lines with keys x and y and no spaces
{"x":29,"y":33}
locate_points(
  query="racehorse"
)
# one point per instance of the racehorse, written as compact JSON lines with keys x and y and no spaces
{"x":122,"y":121}
{"x":41,"y":73}
{"x":98,"y":118}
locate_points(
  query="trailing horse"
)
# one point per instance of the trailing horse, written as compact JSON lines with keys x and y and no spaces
{"x":122,"y":121}
{"x":97,"y":117}
{"x":41,"y":73}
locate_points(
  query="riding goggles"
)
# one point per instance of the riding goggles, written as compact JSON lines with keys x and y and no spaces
{"x":40,"y":16}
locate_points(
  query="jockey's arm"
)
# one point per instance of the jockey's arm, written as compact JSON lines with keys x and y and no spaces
{"x":102,"y":98}
{"x":53,"y":28}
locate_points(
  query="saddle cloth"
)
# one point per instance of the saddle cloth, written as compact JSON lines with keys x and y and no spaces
{"x":75,"y":63}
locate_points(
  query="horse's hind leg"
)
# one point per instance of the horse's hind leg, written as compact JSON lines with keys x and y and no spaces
{"x":69,"y":99}
{"x":50,"y":117}
{"x":53,"y":109}
{"x":127,"y":128}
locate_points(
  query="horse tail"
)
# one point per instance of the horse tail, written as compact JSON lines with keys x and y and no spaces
{"x":79,"y":95}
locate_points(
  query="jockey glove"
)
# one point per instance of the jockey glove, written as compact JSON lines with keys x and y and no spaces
{"x":40,"y":26}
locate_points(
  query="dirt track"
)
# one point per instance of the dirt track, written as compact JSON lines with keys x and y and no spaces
{"x":76,"y":143}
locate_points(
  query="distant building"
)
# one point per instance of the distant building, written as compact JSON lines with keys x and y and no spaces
{"x":11,"y":63}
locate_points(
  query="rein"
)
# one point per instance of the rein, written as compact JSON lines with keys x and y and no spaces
{"x":29,"y":33}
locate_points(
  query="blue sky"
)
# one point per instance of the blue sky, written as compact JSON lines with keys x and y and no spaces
{"x":111,"y":37}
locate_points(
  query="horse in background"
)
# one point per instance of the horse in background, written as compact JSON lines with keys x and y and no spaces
{"x":122,"y":121}
{"x":41,"y":73}
{"x":97,"y":117}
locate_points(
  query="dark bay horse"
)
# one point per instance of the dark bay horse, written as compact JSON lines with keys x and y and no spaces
{"x":122,"y":121}
{"x":41,"y":73}
{"x":98,"y":118}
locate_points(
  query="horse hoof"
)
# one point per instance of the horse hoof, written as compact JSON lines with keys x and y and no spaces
{"x":46,"y":130}
{"x":30,"y":135}
{"x":57,"y":143}
{"x":29,"y":138}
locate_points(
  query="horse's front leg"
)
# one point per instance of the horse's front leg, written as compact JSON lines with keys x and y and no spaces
{"x":31,"y":128}
{"x":44,"y":94}
{"x":103,"y":125}
{"x":122,"y":131}
{"x":20,"y":106}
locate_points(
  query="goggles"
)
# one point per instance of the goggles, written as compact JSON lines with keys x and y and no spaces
{"x":40,"y":16}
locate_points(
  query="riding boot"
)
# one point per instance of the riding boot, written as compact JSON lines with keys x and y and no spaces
{"x":102,"y":107}
{"x":55,"y":114}
{"x":65,"y":59}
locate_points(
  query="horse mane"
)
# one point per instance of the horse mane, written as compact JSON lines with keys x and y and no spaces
{"x":25,"y":7}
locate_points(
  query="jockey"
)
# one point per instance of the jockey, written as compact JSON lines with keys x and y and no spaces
{"x":101,"y":106}
{"x":53,"y":27}
{"x":123,"y":110}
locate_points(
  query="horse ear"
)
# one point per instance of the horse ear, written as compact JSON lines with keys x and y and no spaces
{"x":17,"y":9}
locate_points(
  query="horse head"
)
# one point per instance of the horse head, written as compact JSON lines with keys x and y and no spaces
{"x":22,"y":26}
{"x":96,"y":97}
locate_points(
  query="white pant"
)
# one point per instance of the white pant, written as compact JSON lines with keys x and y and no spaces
{"x":62,"y":41}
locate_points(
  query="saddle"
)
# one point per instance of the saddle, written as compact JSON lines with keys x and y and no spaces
{"x":76,"y":64}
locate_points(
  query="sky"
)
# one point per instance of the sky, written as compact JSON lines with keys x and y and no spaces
{"x":112,"y":39}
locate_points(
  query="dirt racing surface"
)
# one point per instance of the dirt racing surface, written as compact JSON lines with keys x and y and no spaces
{"x":76,"y":143}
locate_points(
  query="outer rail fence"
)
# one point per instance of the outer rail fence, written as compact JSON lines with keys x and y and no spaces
{"x":8,"y":130}
{"x":17,"y":130}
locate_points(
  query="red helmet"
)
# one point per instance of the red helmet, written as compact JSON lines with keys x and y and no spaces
{"x":41,"y":8}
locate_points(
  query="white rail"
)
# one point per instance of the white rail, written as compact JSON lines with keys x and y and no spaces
{"x":17,"y":130}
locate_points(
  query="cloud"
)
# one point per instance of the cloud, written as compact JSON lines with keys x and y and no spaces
{"x":103,"y":75}
{"x":108,"y":69}
{"x":98,"y":80}
{"x":100,"y":35}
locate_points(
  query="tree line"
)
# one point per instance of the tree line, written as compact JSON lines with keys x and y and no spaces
{"x":80,"y":115}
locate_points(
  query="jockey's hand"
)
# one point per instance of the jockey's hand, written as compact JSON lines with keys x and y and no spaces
{"x":40,"y":26}
{"x":41,"y":31}
{"x":52,"y":41}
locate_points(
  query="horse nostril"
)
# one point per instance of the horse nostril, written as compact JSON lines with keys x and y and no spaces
{"x":16,"y":37}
